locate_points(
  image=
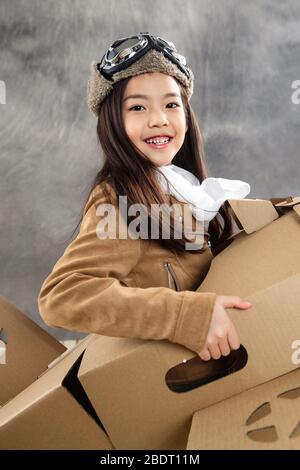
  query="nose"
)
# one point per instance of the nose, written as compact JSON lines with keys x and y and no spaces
{"x":158,"y":118}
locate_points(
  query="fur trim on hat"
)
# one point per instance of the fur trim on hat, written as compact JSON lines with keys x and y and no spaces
{"x":153,"y":61}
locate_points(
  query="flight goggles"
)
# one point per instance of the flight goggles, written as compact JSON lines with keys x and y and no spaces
{"x":125,"y":51}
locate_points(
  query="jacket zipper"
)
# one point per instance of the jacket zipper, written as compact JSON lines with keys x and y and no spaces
{"x":172,"y":279}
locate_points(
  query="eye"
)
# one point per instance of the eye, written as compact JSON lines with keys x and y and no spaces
{"x":140,"y":106}
{"x":177,"y":105}
{"x":136,"y":106}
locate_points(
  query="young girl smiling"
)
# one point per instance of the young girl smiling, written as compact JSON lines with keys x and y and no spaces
{"x":142,"y":286}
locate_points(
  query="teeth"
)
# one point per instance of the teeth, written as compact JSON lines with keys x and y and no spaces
{"x":158,"y":141}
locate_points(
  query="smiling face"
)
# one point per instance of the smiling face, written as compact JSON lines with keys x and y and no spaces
{"x":154,"y":115}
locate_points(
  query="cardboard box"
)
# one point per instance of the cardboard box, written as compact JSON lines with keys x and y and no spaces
{"x":132,"y":394}
{"x":53,"y":412}
{"x":266,"y":417}
{"x":277,"y":277}
{"x":262,"y":254}
{"x":25,"y":350}
{"x":147,"y":380}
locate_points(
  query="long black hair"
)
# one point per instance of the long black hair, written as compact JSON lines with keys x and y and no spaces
{"x":130,"y":173}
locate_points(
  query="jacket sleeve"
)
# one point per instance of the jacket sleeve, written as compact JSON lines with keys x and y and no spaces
{"x":87,"y":292}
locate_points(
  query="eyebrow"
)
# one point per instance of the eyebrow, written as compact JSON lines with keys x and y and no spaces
{"x":167,"y":95}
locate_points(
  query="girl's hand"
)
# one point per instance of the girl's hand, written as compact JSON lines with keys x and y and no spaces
{"x":222,"y":336}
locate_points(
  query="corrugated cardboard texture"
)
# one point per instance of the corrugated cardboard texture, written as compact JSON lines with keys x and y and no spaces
{"x":252,"y":262}
{"x":47,"y":416}
{"x":253,"y":214}
{"x":29,"y":350}
{"x":297,"y":209}
{"x":264,"y":267}
{"x":266,"y":417}
{"x":134,"y":380}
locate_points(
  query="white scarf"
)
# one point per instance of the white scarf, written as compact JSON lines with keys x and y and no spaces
{"x":206,"y":198}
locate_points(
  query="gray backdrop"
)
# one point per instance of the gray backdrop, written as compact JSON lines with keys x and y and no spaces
{"x":245,"y":56}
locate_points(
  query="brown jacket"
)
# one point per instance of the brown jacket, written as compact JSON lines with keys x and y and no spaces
{"x":126,"y":287}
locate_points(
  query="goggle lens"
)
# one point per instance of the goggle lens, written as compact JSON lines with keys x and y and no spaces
{"x":123,"y":44}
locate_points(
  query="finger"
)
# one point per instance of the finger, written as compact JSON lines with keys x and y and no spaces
{"x":224,"y":347}
{"x":233,"y":339}
{"x":237,"y":302}
{"x":205,"y":354}
{"x":214,"y":351}
{"x":244,"y":304}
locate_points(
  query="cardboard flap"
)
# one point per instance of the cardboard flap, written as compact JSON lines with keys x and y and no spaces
{"x":297,"y":209}
{"x":287,"y":202}
{"x":25,"y":348}
{"x":253,"y":214}
{"x":53,"y":412}
{"x":45,"y":384}
{"x":261,"y":259}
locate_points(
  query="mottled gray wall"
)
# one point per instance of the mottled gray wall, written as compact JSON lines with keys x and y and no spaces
{"x":245,"y":56}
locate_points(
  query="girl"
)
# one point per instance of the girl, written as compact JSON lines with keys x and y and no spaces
{"x":118,"y":283}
